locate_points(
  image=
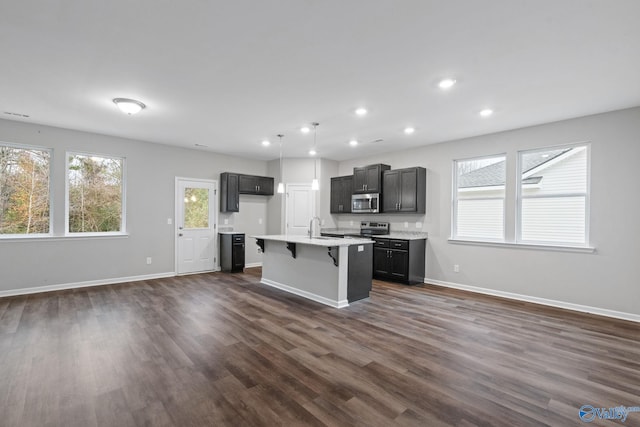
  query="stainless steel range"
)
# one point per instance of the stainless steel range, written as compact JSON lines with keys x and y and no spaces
{"x":373,"y":228}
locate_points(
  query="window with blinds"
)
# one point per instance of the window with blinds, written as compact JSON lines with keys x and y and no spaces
{"x":478,"y":199}
{"x":553,"y":196}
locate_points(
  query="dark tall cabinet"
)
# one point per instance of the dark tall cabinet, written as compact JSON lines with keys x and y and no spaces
{"x":229,"y":194}
{"x":341,"y":190}
{"x":404,"y":190}
{"x":368,"y":179}
{"x":232,"y":252}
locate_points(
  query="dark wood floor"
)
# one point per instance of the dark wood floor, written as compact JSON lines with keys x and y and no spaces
{"x":220,"y":349}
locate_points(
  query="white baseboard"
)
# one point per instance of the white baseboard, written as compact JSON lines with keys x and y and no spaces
{"x":553,"y":303}
{"x":305,"y":294}
{"x":253,"y":264}
{"x":101,"y":282}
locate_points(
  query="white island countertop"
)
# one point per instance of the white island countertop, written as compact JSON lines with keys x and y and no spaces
{"x":315,"y":241}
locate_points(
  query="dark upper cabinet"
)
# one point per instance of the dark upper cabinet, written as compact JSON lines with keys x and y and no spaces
{"x":229,"y":196}
{"x":341,"y":190}
{"x":251,"y":184}
{"x":368,"y":179}
{"x":404,"y":190}
{"x":234,"y":184}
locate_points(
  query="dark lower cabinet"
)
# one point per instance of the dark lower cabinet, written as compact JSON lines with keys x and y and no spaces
{"x":399,"y":260}
{"x":359,"y":272}
{"x":232,"y":252}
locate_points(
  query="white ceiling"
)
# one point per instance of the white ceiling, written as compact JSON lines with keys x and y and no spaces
{"x":227,"y":74}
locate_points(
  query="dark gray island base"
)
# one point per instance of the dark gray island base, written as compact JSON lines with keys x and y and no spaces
{"x":331,"y":271}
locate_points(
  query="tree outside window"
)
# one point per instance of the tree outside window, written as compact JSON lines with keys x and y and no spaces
{"x":24,"y":191}
{"x":95,"y":194}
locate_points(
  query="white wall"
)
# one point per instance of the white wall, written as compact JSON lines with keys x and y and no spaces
{"x":608,"y":279}
{"x":301,"y":171}
{"x":151,"y":172}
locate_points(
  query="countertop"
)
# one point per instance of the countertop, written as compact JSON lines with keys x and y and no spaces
{"x":230,"y":232}
{"x":400,"y":235}
{"x":316,"y":241}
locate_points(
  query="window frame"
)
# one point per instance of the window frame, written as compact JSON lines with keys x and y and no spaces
{"x":123,"y":207}
{"x":50,"y":186}
{"x":520,"y":197}
{"x":454,"y":202}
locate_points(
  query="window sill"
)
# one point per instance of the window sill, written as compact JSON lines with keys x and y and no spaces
{"x":52,"y":238}
{"x":557,"y":248}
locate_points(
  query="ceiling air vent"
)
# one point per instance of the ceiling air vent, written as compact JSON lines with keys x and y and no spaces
{"x":9,"y":113}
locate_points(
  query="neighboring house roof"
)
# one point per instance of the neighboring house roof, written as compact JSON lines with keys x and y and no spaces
{"x":493,"y":175}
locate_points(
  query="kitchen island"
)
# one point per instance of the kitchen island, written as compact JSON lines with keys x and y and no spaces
{"x":331,"y":271}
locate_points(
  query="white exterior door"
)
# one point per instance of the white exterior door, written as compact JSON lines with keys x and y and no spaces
{"x":300,"y":208}
{"x":196,"y":208}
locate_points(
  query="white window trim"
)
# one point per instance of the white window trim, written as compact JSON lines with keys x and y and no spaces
{"x":520,"y":197}
{"x":454,"y":200}
{"x":123,"y":216}
{"x":17,"y":237}
{"x":541,"y":246}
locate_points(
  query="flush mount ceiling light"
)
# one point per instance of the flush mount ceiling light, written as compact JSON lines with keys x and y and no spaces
{"x":305,"y":129}
{"x":353,"y":142}
{"x":486,"y":112}
{"x":445,"y":84}
{"x":129,"y":106}
{"x":361,"y":111}
{"x":409,"y":130}
{"x":266,"y":143}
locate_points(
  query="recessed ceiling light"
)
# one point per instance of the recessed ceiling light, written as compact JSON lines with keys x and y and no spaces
{"x":486,"y":112}
{"x":361,"y":111}
{"x":129,"y":106}
{"x":446,"y":83}
{"x":305,"y":129}
{"x":353,"y":143}
{"x":266,"y":143}
{"x":409,"y":130}
{"x":312,"y":152}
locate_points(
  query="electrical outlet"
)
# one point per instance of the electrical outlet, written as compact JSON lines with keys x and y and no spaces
{"x":259,"y":250}
{"x":350,"y":223}
{"x":456,"y":268}
{"x":418,"y":225}
{"x":259,"y":220}
{"x":149,"y":260}
{"x":226,"y":221}
{"x":406,"y":224}
{"x":169,"y":221}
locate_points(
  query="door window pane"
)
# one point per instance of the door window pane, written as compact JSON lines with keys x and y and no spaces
{"x":196,"y":208}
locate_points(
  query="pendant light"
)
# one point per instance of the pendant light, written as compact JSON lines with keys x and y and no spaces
{"x":280,"y":184}
{"x":315,"y":186}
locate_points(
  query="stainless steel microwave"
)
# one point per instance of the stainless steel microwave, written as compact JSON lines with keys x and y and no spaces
{"x":365,"y":203}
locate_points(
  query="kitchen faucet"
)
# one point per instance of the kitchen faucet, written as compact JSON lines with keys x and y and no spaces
{"x":314,"y":231}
